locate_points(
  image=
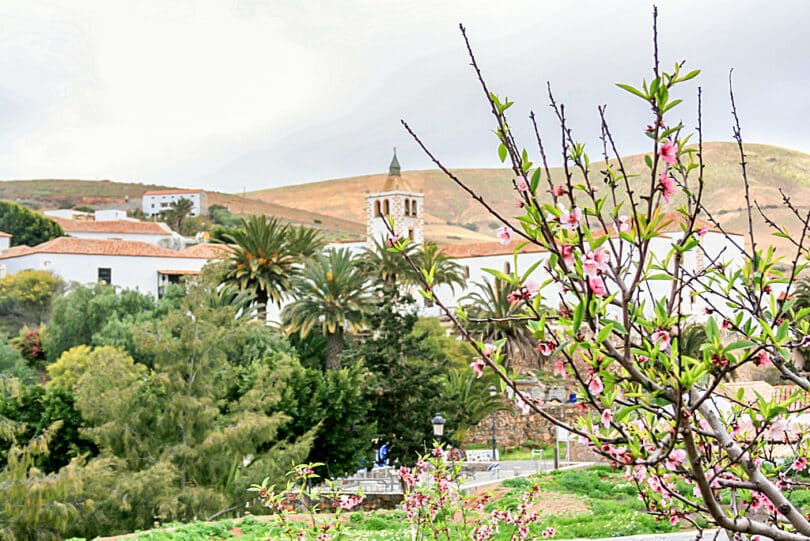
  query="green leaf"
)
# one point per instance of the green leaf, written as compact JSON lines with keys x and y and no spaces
{"x":502,"y":152}
{"x":535,"y":182}
{"x":579,"y":314}
{"x":647,"y":159}
{"x":632,"y":90}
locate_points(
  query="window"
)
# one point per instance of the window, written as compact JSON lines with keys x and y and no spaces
{"x":105,"y":275}
{"x":407,"y":208}
{"x":410,"y":234}
{"x":507,"y":267}
{"x":377,"y":212}
{"x":386,"y":207}
{"x":413,"y":207}
{"x":467,"y":272}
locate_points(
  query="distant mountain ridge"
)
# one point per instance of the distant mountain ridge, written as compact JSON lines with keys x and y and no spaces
{"x":338,"y":206}
{"x":448,"y":208}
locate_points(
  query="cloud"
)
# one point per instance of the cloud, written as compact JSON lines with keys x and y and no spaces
{"x":259,"y":93}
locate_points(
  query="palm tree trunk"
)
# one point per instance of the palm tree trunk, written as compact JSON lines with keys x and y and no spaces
{"x":261,"y":301}
{"x":334,"y":347}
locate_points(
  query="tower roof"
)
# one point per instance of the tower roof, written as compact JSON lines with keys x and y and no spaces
{"x":394,"y":169}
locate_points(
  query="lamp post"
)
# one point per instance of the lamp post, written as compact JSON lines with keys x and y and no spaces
{"x":492,"y":393}
{"x":438,"y":426}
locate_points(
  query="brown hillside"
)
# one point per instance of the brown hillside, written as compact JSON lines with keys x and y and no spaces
{"x":447,"y":207}
{"x":56,"y":193}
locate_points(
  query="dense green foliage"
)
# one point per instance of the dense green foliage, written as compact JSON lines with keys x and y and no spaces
{"x":26,"y":226}
{"x":25,"y":299}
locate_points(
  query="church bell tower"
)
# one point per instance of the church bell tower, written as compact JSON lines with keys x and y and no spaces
{"x":397,"y":201}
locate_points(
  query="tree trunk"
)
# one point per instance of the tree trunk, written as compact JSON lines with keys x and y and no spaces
{"x":334,"y":347}
{"x":261,"y":301}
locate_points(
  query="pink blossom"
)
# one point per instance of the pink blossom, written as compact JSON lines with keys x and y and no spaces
{"x":667,"y":185}
{"x":504,"y":235}
{"x":595,"y":385}
{"x":597,"y":285}
{"x":662,"y":338}
{"x":522,"y":185}
{"x":595,"y":262}
{"x":607,"y":418}
{"x":489,"y":349}
{"x":726,"y":324}
{"x":347,"y":501}
{"x":675,"y":459}
{"x":674,"y":519}
{"x":478,"y":366}
{"x":559,"y":190}
{"x":643,"y":358}
{"x":668,"y":152}
{"x":392,"y":240}
{"x":624,"y":223}
{"x":800,"y":464}
{"x":567,"y":254}
{"x":559,"y":369}
{"x":570,"y":220}
{"x":522,"y":403}
{"x":549,"y":532}
{"x":763,"y":359}
{"x":546,"y":348}
{"x":702,"y":231}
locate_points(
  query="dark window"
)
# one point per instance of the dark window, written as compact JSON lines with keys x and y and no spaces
{"x":507,"y":267}
{"x":410,"y":234}
{"x":105,"y":275}
{"x":386,"y":208}
{"x":377,"y":212}
{"x":467,"y":271}
{"x":413,"y":207}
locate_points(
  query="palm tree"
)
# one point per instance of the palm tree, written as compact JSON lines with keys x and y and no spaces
{"x":490,"y":306}
{"x":330,"y":294}
{"x":265,"y":255}
{"x":468,"y":401}
{"x":388,"y":268}
{"x":445,"y":269}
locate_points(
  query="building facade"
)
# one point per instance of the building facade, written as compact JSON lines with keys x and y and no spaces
{"x":157,"y":201}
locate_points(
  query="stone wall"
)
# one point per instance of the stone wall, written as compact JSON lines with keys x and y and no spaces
{"x":515,"y":429}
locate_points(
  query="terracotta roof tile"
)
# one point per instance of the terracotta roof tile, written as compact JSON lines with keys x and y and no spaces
{"x":122,"y":227}
{"x":71,"y":245}
{"x":171,"y":192}
{"x":482,"y":249}
{"x":3,"y":234}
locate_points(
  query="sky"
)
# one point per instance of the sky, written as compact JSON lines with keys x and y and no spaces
{"x":234,"y":95}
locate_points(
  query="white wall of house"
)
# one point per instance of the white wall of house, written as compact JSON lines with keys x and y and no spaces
{"x":5,"y":242}
{"x":126,"y":272}
{"x":155,"y":203}
{"x":110,"y":215}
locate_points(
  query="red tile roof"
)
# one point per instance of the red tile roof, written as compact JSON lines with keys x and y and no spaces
{"x":113,"y":247}
{"x":483,"y":249}
{"x":3,"y":234}
{"x":171,"y":192}
{"x":122,"y":227}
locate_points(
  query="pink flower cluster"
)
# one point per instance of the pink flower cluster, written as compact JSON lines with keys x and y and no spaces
{"x":478,"y":365}
{"x":525,"y":292}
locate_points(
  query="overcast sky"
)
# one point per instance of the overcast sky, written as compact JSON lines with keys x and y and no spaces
{"x":248,"y":94}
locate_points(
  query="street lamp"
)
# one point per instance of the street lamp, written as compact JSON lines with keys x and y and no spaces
{"x":438,"y":426}
{"x":492,"y":393}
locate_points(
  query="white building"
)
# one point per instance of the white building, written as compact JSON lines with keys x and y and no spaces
{"x":123,"y":263}
{"x":157,"y":201}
